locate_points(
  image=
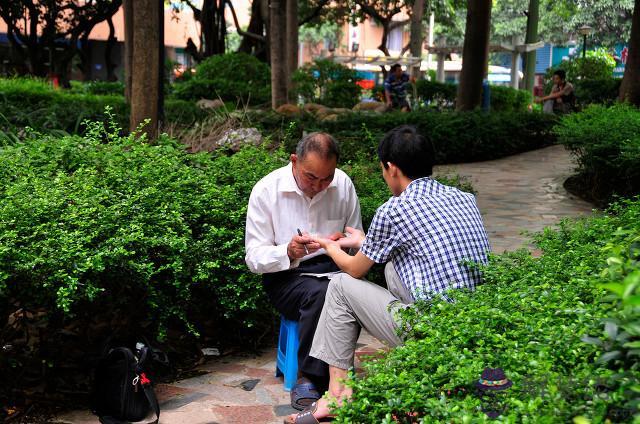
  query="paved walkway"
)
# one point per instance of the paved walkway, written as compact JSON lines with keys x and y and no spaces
{"x":522,"y":192}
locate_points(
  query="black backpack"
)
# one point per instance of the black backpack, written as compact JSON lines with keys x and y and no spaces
{"x":122,"y":390}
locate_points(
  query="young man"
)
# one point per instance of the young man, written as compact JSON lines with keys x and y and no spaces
{"x":395,"y":88}
{"x":309,"y":195}
{"x":427,"y":233}
{"x":562,"y":98}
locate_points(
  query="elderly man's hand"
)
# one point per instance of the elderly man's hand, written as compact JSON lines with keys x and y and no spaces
{"x":296,"y":247}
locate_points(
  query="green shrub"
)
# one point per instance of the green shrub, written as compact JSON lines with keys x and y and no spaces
{"x":528,"y":318}
{"x":443,"y":96}
{"x":102,"y":88}
{"x":127,"y":226}
{"x":597,"y":91}
{"x":457,"y":137}
{"x":34,"y":103}
{"x":509,"y":99}
{"x":597,"y":65}
{"x":606,"y":143}
{"x":231,"y":76}
{"x":328,"y":83}
{"x":439,"y":94}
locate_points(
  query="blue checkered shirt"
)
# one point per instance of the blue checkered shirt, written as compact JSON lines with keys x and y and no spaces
{"x":430,"y":232}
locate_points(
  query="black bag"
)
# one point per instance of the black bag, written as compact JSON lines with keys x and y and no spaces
{"x":122,"y":390}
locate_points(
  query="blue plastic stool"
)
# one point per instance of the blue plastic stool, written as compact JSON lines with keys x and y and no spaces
{"x":287,"y":359}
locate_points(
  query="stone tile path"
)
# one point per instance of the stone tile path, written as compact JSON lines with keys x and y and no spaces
{"x":522,"y":192}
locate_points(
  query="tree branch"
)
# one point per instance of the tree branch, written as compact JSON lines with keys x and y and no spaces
{"x":197,"y":13}
{"x":240,"y":30}
{"x":313,"y":14}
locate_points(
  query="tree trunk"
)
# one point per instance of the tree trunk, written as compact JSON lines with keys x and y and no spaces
{"x":417,"y":34}
{"x":214,"y":27}
{"x":532,"y":37}
{"x":292,"y":44}
{"x":266,"y":15}
{"x":474,"y":54}
{"x":108,"y":52}
{"x":278,"y":46}
{"x":251,"y":45}
{"x":127,"y":8}
{"x":145,"y":70}
{"x":630,"y":86}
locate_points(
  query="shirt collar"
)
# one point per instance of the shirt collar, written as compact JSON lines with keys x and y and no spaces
{"x":288,"y":183}
{"x":419,"y":184}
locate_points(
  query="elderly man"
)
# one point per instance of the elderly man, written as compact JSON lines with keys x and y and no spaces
{"x":427,"y":233}
{"x":308,"y":196}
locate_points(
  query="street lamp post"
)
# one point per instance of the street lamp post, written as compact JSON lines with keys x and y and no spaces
{"x":584,"y":30}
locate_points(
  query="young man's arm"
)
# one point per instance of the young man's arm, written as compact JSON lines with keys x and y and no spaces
{"x":356,"y":266}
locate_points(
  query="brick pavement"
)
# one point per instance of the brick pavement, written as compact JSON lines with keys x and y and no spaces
{"x":515,"y":194}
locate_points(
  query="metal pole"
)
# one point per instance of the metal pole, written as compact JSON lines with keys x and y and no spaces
{"x":584,"y":45}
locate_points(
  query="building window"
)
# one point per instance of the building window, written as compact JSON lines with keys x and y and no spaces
{"x":394,"y":39}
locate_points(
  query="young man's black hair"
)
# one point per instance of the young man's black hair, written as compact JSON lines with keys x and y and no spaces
{"x":408,"y":150}
{"x":561,"y":73}
{"x":395,"y":66}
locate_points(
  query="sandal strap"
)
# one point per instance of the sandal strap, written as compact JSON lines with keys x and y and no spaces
{"x":306,"y":418}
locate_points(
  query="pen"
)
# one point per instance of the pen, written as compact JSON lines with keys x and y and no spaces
{"x":305,"y":246}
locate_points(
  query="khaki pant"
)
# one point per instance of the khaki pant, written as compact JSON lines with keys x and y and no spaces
{"x":351,"y":304}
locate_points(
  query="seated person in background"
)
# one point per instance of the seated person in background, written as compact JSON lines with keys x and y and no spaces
{"x":395,"y":88}
{"x":562,"y":98}
{"x":310,"y":195}
{"x":427,"y":233}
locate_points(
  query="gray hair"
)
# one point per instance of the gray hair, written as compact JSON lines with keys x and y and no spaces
{"x":323,"y":144}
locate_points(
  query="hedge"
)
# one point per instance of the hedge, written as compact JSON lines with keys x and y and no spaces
{"x":34,"y":103}
{"x":606,"y":143}
{"x":457,"y":137}
{"x":443,"y":96}
{"x":564,"y":327}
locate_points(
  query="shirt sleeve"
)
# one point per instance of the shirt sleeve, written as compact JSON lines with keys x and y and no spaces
{"x":567,"y":90}
{"x":382,"y":238}
{"x":262,"y":254}
{"x":387,"y":83}
{"x":354,"y":218}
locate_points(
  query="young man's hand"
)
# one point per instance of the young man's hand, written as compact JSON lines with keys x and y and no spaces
{"x":326,"y":243}
{"x":354,"y":238}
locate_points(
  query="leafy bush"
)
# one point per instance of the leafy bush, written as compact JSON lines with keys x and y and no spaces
{"x":597,"y":91}
{"x":597,"y":65}
{"x":328,"y":83}
{"x":606,"y":143}
{"x":34,"y":103}
{"x":102,"y":88}
{"x":230,"y":76}
{"x":457,"y":137}
{"x":443,"y":96}
{"x":509,"y":99}
{"x":528,"y":318}
{"x":86,"y":223}
{"x":440,"y":94}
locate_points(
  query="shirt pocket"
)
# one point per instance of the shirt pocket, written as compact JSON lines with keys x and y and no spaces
{"x":331,"y":226}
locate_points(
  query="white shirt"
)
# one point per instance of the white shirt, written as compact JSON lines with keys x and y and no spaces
{"x":277,"y":208}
